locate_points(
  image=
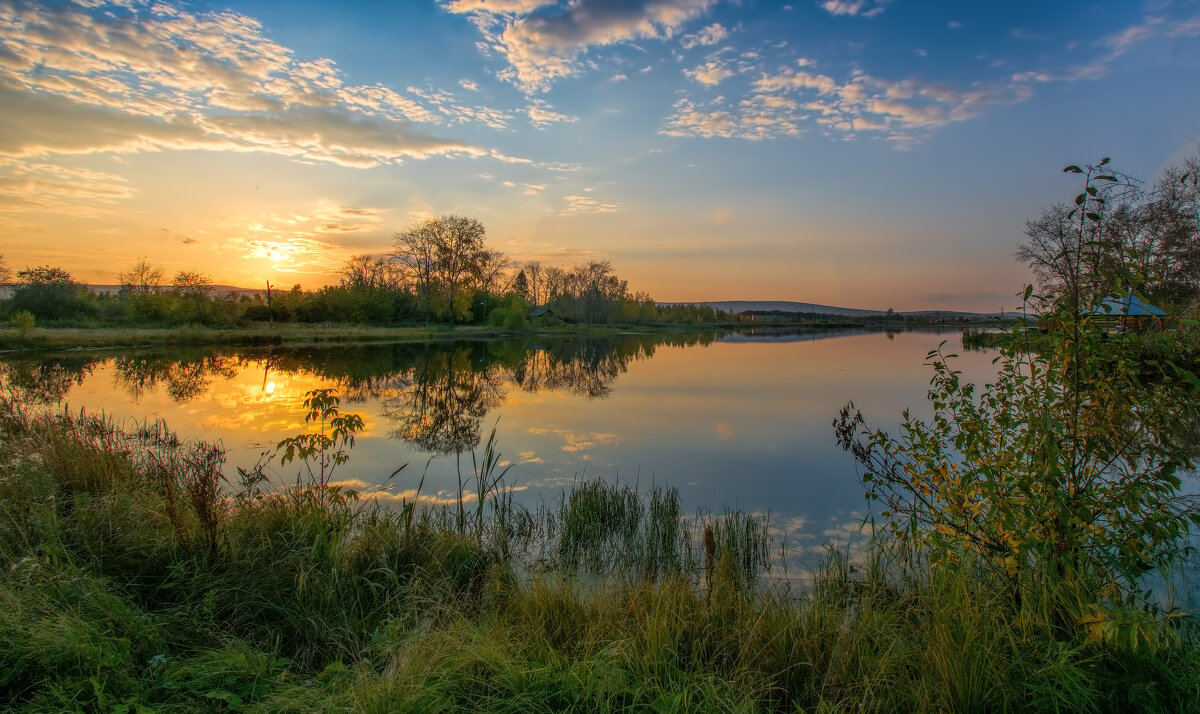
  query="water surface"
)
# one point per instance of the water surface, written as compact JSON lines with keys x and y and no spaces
{"x":733,"y":420}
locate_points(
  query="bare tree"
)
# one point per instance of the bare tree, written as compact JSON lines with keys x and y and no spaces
{"x":376,"y":272}
{"x":414,"y":252}
{"x":533,"y":271}
{"x":5,"y":272}
{"x":442,"y":254}
{"x":192,"y":283}
{"x":1119,"y":237}
{"x":554,"y":280}
{"x":492,"y":264}
{"x":142,"y":277}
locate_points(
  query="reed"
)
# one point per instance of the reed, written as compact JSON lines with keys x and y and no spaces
{"x":130,"y":579}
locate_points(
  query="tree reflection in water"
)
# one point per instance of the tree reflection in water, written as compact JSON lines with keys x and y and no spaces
{"x":435,"y":395}
{"x":184,"y":379}
{"x":46,"y":381}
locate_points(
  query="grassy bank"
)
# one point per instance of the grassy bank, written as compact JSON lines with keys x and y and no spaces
{"x":134,"y":577}
{"x":59,"y":338}
{"x":13,"y":339}
{"x":1153,"y":348}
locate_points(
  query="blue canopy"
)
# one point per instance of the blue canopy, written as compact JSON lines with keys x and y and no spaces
{"x":1129,"y":306}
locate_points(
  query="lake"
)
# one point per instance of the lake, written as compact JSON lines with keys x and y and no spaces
{"x":734,"y":420}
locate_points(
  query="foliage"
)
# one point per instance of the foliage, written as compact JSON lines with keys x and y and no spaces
{"x":23,"y":321}
{"x":328,"y":445}
{"x":50,"y":293}
{"x":311,"y":604}
{"x":441,"y":255}
{"x":1152,"y":235}
{"x":142,"y":277}
{"x":1064,"y":470}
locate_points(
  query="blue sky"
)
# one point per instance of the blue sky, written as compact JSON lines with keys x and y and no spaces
{"x":853,"y":152}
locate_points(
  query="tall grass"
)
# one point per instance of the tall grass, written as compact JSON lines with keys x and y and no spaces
{"x":132,"y":575}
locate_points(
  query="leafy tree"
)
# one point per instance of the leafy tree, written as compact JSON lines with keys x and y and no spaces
{"x":1149,"y":240}
{"x":192,"y":283}
{"x":142,"y":277}
{"x":1062,"y":476}
{"x":51,"y":293}
{"x":443,"y":255}
{"x":520,"y":285}
{"x":194,"y":305}
{"x":372,"y":272}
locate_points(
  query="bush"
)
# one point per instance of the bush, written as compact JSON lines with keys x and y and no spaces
{"x":23,"y":321}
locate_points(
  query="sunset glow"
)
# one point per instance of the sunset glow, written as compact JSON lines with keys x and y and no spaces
{"x":865,"y":153}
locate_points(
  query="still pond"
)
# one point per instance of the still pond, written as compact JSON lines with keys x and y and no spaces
{"x":733,"y":420}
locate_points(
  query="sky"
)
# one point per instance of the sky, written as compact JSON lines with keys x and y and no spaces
{"x":861,"y":153}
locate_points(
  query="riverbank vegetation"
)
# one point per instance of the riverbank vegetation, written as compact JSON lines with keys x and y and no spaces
{"x":1031,"y":547}
{"x":136,"y":578}
{"x":441,"y":273}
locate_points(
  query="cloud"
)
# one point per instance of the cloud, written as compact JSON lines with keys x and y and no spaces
{"x":26,"y":187}
{"x":710,"y":73}
{"x":540,"y":114}
{"x":543,"y":42}
{"x":575,"y":442}
{"x":312,"y":239}
{"x":710,"y":35}
{"x":791,"y":101}
{"x":518,"y":7}
{"x":578,"y":204}
{"x":796,"y":99}
{"x":865,"y":8}
{"x":138,"y":76}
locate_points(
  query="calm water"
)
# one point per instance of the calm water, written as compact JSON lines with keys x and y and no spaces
{"x":734,"y":421}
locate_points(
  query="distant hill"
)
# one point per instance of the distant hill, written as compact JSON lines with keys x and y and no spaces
{"x":782,"y":305}
{"x":736,"y":306}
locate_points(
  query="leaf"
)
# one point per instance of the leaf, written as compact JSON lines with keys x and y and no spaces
{"x":1091,"y":190}
{"x":1093,"y":216}
{"x":1104,"y":161}
{"x":1072,"y":213}
{"x":1080,"y":199}
{"x":1073,"y":169}
{"x":1028,"y":291}
{"x":1105,"y":177}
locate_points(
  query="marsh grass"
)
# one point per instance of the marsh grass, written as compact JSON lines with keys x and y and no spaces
{"x":133,"y":578}
{"x":259,"y":334}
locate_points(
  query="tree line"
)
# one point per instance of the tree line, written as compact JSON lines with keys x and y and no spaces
{"x":439,"y":271}
{"x":1121,"y":235}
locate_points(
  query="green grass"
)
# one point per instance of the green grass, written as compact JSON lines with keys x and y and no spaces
{"x":59,"y":338}
{"x":133,"y":578}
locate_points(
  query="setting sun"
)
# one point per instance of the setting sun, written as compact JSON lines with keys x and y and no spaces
{"x":855,"y":153}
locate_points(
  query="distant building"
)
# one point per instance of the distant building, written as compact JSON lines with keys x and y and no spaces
{"x":1124,"y":313}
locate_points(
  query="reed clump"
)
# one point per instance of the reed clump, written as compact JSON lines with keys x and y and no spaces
{"x":134,"y":577}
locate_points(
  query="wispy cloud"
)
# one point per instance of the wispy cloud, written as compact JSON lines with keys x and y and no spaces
{"x":39,"y":187}
{"x":710,"y":35}
{"x":544,"y":41}
{"x":312,"y":239}
{"x":710,"y":73}
{"x":791,"y":100}
{"x":797,"y":98}
{"x":541,"y":113}
{"x":579,"y":204}
{"x":861,"y":8}
{"x":137,"y":76}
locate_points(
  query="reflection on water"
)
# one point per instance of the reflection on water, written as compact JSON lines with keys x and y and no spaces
{"x":733,"y":420}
